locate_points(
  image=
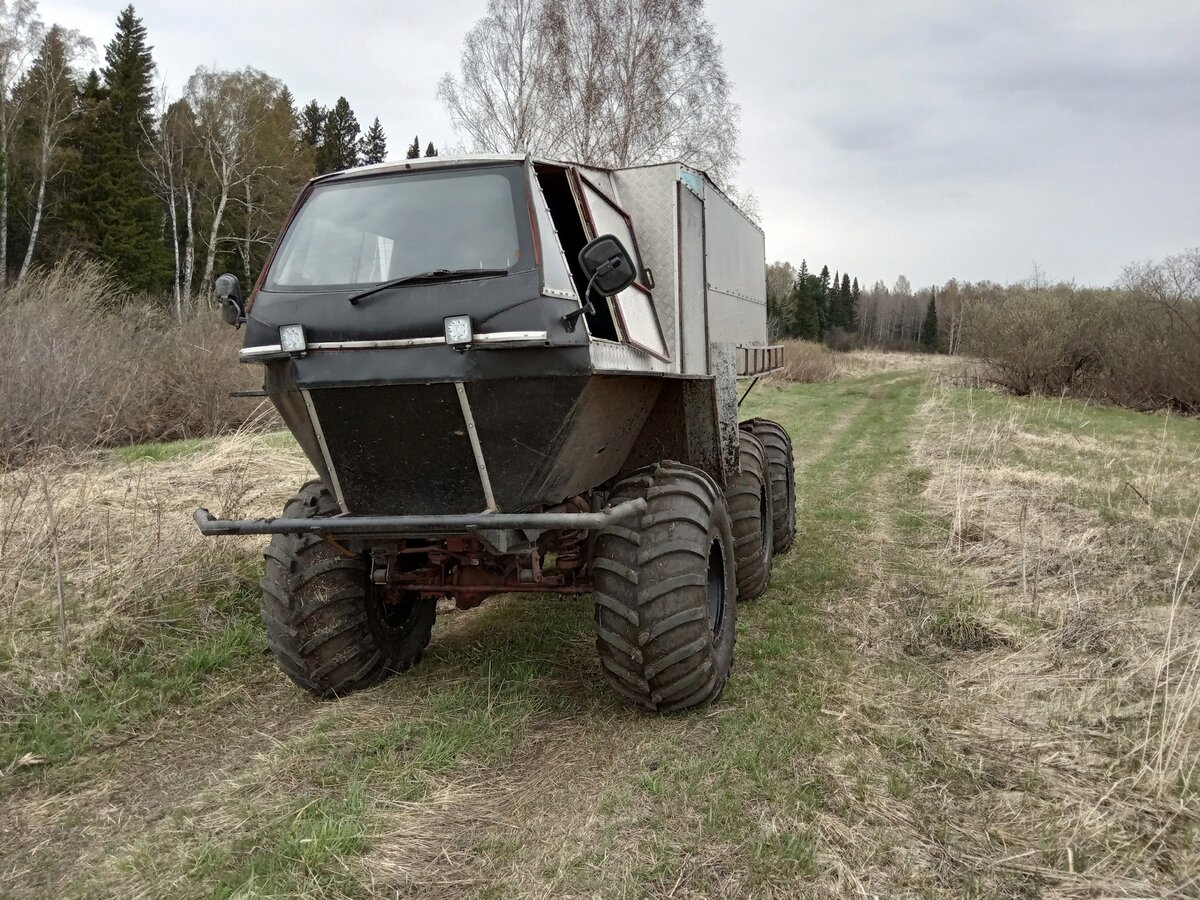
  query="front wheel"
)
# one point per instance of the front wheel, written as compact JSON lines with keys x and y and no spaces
{"x":329,"y":628}
{"x":665,"y":591}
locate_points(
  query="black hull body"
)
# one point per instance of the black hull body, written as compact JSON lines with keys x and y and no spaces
{"x":392,"y":444}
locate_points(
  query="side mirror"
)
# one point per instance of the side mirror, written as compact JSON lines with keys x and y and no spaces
{"x":229,"y":292}
{"x":609,"y":269}
{"x":608,"y":266}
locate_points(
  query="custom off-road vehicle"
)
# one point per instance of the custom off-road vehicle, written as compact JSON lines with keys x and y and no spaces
{"x":515,"y":374}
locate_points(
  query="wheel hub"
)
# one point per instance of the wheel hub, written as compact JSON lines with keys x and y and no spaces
{"x":716,"y":586}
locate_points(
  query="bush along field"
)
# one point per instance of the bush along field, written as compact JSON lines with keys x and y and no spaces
{"x":976,"y":674}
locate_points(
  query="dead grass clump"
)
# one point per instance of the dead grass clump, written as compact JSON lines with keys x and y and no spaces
{"x":84,"y":364}
{"x":962,"y":627}
{"x":1171,"y":753}
{"x":806,"y":362}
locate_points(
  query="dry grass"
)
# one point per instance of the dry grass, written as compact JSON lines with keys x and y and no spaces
{"x":83,"y":364}
{"x":1091,"y":587}
{"x":93,"y":544}
{"x":807,"y":362}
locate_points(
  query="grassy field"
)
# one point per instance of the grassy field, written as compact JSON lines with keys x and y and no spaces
{"x":975,"y":675}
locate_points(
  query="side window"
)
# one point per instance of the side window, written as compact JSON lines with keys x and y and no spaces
{"x":567,"y":218}
{"x":555,"y":269}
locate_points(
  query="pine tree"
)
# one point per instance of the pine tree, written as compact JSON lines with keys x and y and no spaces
{"x":113,"y":211}
{"x":339,"y":139}
{"x":793,"y":318}
{"x":374,"y":144}
{"x":129,"y":77}
{"x":430,"y":150}
{"x":854,"y":306}
{"x":287,"y":100}
{"x":845,"y":305}
{"x":929,"y":328}
{"x":312,"y":124}
{"x":835,"y":310}
{"x":414,"y":149}
{"x":805,"y":306}
{"x":823,"y":304}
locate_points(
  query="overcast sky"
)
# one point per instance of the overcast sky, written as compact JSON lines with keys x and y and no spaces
{"x":934,"y":138}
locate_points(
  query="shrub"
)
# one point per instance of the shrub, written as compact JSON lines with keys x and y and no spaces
{"x":85,"y":364}
{"x":1137,"y":344}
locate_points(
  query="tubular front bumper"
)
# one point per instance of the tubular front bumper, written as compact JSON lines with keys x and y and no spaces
{"x":424,"y":526}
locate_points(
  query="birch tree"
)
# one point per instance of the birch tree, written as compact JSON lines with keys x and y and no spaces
{"x":171,"y":163}
{"x":606,"y":82}
{"x":502,"y":97}
{"x":52,"y":99}
{"x":243,"y":134}
{"x":642,"y":81}
{"x":20,"y":35}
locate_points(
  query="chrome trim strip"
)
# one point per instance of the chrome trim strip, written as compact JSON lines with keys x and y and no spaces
{"x":511,"y":337}
{"x":337,"y":485}
{"x":378,"y":345}
{"x":264,"y":350}
{"x":490,"y":339}
{"x":473,"y":435}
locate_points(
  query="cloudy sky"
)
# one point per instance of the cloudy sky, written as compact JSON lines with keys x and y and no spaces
{"x":934,"y":138}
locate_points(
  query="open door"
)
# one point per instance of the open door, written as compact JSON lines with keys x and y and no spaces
{"x":634,"y":306}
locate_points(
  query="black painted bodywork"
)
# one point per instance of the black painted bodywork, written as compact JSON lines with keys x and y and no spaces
{"x":391,"y":419}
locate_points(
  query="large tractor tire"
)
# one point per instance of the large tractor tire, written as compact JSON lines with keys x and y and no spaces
{"x":782,"y":468}
{"x":749,"y":499}
{"x":665,"y":592}
{"x":330,"y":629}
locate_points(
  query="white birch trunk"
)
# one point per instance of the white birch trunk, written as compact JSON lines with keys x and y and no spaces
{"x":248,"y":234}
{"x":41,"y":202}
{"x":210,"y":259}
{"x":171,"y":204}
{"x":189,"y":249}
{"x":35,"y":227}
{"x":4,"y":208}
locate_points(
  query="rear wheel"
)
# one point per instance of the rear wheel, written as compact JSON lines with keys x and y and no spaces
{"x":749,"y":499}
{"x":330,"y":629}
{"x":782,"y":469}
{"x":665,"y":592}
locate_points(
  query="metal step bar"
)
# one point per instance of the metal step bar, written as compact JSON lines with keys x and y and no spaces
{"x":428,"y":526}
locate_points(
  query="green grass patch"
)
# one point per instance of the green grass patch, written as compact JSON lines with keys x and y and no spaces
{"x":139,"y":669}
{"x":161,"y":451}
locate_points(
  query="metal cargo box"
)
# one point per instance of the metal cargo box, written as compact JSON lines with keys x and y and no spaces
{"x":707,"y":257}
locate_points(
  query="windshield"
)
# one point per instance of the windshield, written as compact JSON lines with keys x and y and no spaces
{"x":361,"y":232}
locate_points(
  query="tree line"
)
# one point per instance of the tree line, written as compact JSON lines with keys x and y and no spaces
{"x":836,"y":311}
{"x":167,"y":190}
{"x":163,"y":191}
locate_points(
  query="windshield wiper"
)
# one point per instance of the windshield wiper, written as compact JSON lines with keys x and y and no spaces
{"x":435,"y":275}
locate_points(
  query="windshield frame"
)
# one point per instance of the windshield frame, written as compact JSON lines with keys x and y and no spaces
{"x":514,"y":172}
